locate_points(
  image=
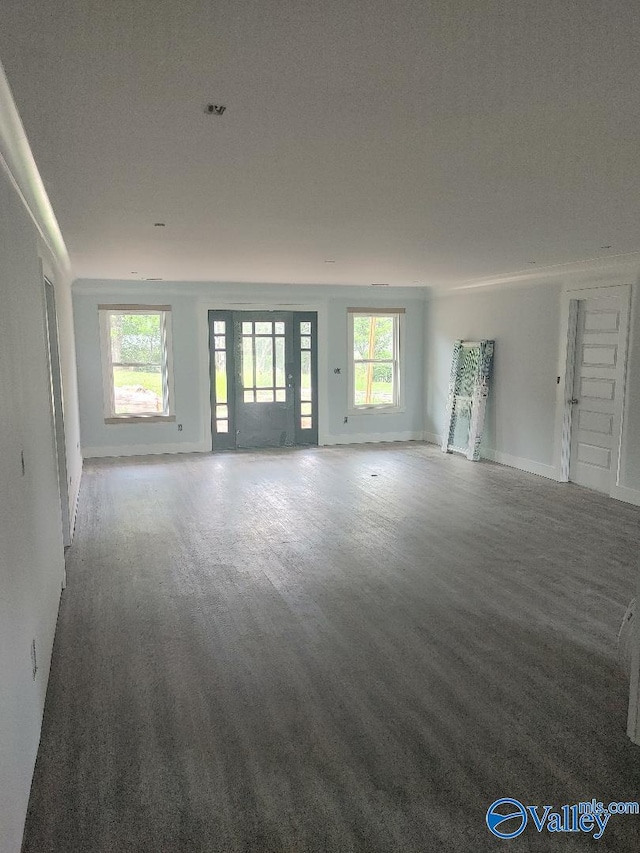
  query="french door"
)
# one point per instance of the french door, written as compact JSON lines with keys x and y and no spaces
{"x":263,"y":367}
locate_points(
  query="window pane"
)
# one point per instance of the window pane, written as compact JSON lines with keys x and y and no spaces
{"x":222,"y":412}
{"x":306,"y":423}
{"x":305,"y":328}
{"x":372,"y":337}
{"x":247,"y":328}
{"x":305,"y":375}
{"x":279,"y":328}
{"x":281,"y":396}
{"x":222,"y":426}
{"x":280,"y":362}
{"x":138,"y":390}
{"x":218,"y":327}
{"x":264,"y":362}
{"x":219,"y":342}
{"x":373,"y":384}
{"x":305,"y":343}
{"x":249,"y":397}
{"x":136,"y":338}
{"x":305,"y":408}
{"x":247,"y":362}
{"x":263,"y":396}
{"x":221,"y":376}
{"x":264,"y":328}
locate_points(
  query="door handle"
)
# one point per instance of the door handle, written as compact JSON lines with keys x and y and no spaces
{"x":573,"y":401}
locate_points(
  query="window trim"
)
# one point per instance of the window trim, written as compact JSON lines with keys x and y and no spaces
{"x":398,"y":405}
{"x":110,"y":417}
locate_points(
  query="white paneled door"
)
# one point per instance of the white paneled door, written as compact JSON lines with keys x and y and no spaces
{"x":597,"y":389}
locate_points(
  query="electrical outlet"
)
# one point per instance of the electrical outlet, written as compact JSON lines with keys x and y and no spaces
{"x":34,"y":659}
{"x":346,"y":420}
{"x":179,"y":427}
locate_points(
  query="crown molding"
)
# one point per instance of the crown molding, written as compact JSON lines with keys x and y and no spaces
{"x":16,"y":158}
{"x":623,"y":268}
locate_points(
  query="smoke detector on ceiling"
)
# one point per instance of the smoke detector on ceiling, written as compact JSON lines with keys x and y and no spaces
{"x":215,"y":109}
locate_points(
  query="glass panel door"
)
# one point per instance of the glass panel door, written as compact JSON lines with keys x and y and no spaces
{"x":264,"y":379}
{"x":263,"y":369}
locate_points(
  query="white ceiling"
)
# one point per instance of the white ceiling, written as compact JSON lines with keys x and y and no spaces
{"x":410,"y":142}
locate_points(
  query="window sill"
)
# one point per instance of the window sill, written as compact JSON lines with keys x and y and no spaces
{"x":377,"y":410}
{"x":140,"y":419}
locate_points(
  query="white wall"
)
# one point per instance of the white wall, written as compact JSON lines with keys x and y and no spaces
{"x":524,"y":322}
{"x":31,"y":552}
{"x":190,"y":303}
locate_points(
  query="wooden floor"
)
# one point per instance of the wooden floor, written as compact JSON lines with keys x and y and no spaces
{"x":334,"y":649}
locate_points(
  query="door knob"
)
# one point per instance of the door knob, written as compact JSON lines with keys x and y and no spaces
{"x":573,"y":401}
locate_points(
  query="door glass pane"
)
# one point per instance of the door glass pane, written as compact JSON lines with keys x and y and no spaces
{"x":247,"y":362}
{"x":305,"y":343}
{"x":462,"y":423}
{"x":218,"y":327}
{"x":281,"y":395}
{"x":222,"y":412}
{"x":264,"y":362}
{"x":222,"y":426}
{"x":138,"y":390}
{"x":280,"y":362}
{"x":305,"y":328}
{"x":249,"y":397}
{"x":247,"y":328}
{"x":305,"y":375}
{"x":219,"y":342}
{"x":221,"y":376}
{"x":279,"y":328}
{"x":305,"y":408}
{"x":264,"y":328}
{"x":306,"y":423}
{"x":264,"y":396}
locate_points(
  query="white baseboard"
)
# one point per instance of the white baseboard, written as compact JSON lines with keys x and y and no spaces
{"x":527,"y":465}
{"x":146,"y":449}
{"x":433,"y":438}
{"x":371,"y":438}
{"x":76,"y":502}
{"x":630,"y":496}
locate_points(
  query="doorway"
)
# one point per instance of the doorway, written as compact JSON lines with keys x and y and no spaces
{"x":597,"y":389}
{"x":57,"y":406}
{"x":263,"y":379}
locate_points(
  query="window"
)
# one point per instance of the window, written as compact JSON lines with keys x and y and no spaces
{"x":136,"y":347}
{"x":374,"y":345}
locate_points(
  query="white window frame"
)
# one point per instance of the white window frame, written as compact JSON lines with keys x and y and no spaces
{"x":397,"y":362}
{"x":105,"y":312}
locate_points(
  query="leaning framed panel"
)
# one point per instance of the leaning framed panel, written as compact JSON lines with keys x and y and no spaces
{"x":467,"y":398}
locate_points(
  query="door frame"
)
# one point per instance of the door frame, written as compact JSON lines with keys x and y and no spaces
{"x":320,"y":309}
{"x":566,"y":371}
{"x":57,"y":404}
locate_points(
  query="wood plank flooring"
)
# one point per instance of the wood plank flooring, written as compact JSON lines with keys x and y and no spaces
{"x":334,"y":649}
